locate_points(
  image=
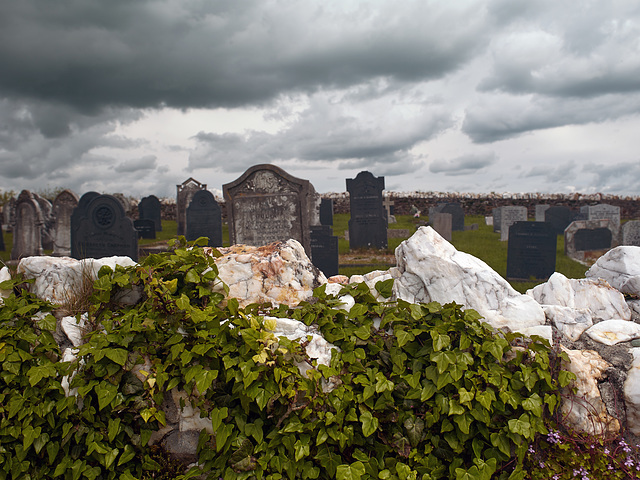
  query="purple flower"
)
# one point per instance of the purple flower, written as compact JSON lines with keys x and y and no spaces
{"x":553,"y":437}
{"x":531,"y":450}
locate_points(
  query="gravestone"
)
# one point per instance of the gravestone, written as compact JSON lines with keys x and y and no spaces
{"x":368,"y":222}
{"x":150,"y":208}
{"x":604,"y":211}
{"x":63,"y":206}
{"x":497,"y":217}
{"x":457,"y":214}
{"x":267,"y":205}
{"x":586,"y":240}
{"x":27,"y":232}
{"x":531,"y":251}
{"x":509,"y":216}
{"x":100,"y":228}
{"x":47,"y":228}
{"x":631,"y":233}
{"x":185,"y":192}
{"x":204,"y":218}
{"x":442,"y":223}
{"x":559,"y":217}
{"x":146,"y":228}
{"x":9,"y":214}
{"x":540,"y":209}
{"x":326,"y":211}
{"x":2,"y":247}
{"x":324,"y":249}
{"x":388,"y":204}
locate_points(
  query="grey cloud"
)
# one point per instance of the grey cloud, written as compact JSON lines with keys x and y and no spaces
{"x":148,"y":162}
{"x":463,"y":165}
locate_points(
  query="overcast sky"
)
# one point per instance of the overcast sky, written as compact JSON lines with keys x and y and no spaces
{"x":469,"y":96}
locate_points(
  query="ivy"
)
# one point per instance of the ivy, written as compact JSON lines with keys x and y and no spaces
{"x":412,"y":391}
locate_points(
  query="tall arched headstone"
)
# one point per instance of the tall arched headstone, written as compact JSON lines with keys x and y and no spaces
{"x":63,"y":206}
{"x":185,"y":193}
{"x":267,"y":205}
{"x":204,"y":219}
{"x":100,"y":228}
{"x":150,"y":208}
{"x":368,"y":223}
{"x":27,"y":233}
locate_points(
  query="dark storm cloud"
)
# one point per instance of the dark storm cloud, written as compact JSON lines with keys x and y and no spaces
{"x":194,"y":53}
{"x":464,"y":165}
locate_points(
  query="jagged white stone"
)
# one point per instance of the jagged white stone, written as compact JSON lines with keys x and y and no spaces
{"x":601,"y":300}
{"x":632,"y":393}
{"x":278,"y":273}
{"x":74,"y":329}
{"x":4,"y":275}
{"x":544,"y":331}
{"x":570,"y":322}
{"x":620,"y":267}
{"x":585,"y":409}
{"x":347,"y":301}
{"x":371,"y":279}
{"x":431,"y":269}
{"x":611,"y":332}
{"x":60,"y":279}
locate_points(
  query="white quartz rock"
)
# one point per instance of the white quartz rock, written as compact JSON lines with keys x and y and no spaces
{"x":371,"y":279}
{"x":620,"y":267}
{"x":430,"y":269}
{"x":601,"y":300}
{"x":544,"y":331}
{"x":74,"y":329}
{"x":278,"y":273}
{"x":570,"y":322}
{"x":585,"y":410}
{"x":4,"y":275}
{"x":611,"y":332}
{"x":632,"y":393}
{"x":61,"y":279}
{"x":347,"y":301}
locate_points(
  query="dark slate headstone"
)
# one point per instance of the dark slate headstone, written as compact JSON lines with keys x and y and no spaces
{"x":531,"y":251}
{"x":145,"y":227}
{"x":326,"y":211}
{"x":185,"y":192}
{"x":592,"y":239}
{"x":99,"y":228}
{"x":457,"y":214}
{"x":368,"y":223}
{"x":150,"y":208}
{"x":559,"y":217}
{"x":267,"y":205}
{"x":204,"y":218}
{"x":586,"y":240}
{"x":324,"y":249}
{"x":497,"y":219}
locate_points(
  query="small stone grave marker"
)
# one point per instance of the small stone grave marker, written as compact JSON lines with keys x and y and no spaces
{"x":586,"y":240}
{"x":531,"y":251}
{"x":267,"y":205}
{"x":442,"y":223}
{"x":100,"y":228}
{"x":150,"y":208}
{"x":631,"y":233}
{"x":204,"y":218}
{"x":324,"y":249}
{"x":368,"y":222}
{"x":145,"y":227}
{"x":509,"y":216}
{"x":497,"y":218}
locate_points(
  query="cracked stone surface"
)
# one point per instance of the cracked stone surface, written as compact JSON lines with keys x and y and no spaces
{"x":430,"y":269}
{"x":620,"y":267}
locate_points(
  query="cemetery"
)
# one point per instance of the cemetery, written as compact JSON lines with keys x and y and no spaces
{"x":286,"y":344}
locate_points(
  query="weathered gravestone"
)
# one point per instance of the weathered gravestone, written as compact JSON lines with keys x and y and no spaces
{"x":100,"y":228}
{"x":586,"y":240}
{"x":27,"y":232}
{"x":509,"y":216}
{"x":559,"y":217}
{"x":47,"y":228}
{"x":267,"y":205}
{"x":326,"y":211}
{"x":63,"y":206}
{"x":531,"y":251}
{"x":368,"y":222}
{"x":441,"y":223}
{"x":9,"y":214}
{"x":497,"y":217}
{"x":204,"y":218}
{"x":631,"y":233}
{"x":150,"y":208}
{"x":186,"y":191}
{"x":324,"y":249}
{"x":540,"y":209}
{"x":388,"y":205}
{"x":145,"y":227}
{"x":604,"y":211}
{"x":457,"y":214}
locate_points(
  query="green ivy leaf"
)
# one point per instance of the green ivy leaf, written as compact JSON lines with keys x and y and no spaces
{"x":106,"y":393}
{"x":117,"y":355}
{"x":385,"y":288}
{"x":369,"y":423}
{"x":355,"y":471}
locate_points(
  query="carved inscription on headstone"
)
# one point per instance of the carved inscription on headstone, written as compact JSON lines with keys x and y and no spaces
{"x":509,"y":216}
{"x":368,"y":223}
{"x":101,"y":229}
{"x":531,"y":251}
{"x":145,"y":227}
{"x":204,"y":218}
{"x":266,"y":205}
